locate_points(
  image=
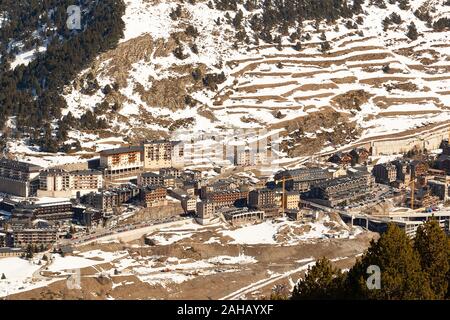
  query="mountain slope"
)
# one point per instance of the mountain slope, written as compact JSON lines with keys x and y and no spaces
{"x":220,"y":65}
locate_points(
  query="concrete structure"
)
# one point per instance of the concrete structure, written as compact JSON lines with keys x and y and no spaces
{"x":35,"y":236}
{"x":261,"y":197}
{"x":423,"y":198}
{"x":418,"y":168}
{"x":18,"y":178}
{"x":60,"y":183}
{"x":121,"y":162}
{"x":163,"y":154}
{"x":107,"y":200}
{"x":439,"y":189}
{"x":419,"y":140}
{"x":385,"y":173}
{"x":237,"y":216}
{"x":291,"y":200}
{"x":188,"y":202}
{"x":205,"y":212}
{"x":154,"y":196}
{"x":342,"y":191}
{"x":302,"y":179}
{"x":51,"y":209}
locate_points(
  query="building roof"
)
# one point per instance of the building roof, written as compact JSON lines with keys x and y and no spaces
{"x":121,"y":150}
{"x":303,"y":174}
{"x":18,"y":165}
{"x":10,"y":250}
{"x":86,"y":172}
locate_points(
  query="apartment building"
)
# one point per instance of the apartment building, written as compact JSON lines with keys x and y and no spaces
{"x":60,"y":183}
{"x":302,"y":179}
{"x":205,"y":212}
{"x":35,"y":236}
{"x":291,"y":200}
{"x":106,"y":200}
{"x":385,"y":173}
{"x":154,"y":196}
{"x":154,"y":179}
{"x":122,"y":161}
{"x":261,"y":198}
{"x":360,"y":155}
{"x":173,"y":172}
{"x":188,"y":202}
{"x":439,"y":189}
{"x":150,"y":178}
{"x":2,"y":239}
{"x":47,"y":209}
{"x":403,"y":171}
{"x":227,"y":198}
{"x":342,"y":191}
{"x":247,"y":157}
{"x":19,"y":178}
{"x":163,"y":154}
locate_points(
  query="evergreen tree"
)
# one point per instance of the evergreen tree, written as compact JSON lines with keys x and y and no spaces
{"x":401,"y":273}
{"x":3,"y":276}
{"x":29,"y":254}
{"x":404,"y":4}
{"x":433,"y":247}
{"x":325,"y":46}
{"x":322,"y":281}
{"x":412,"y":32}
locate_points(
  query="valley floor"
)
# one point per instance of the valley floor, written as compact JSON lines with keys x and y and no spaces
{"x":195,"y":262}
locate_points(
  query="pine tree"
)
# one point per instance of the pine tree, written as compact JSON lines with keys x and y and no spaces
{"x":3,"y":276}
{"x":412,"y":32}
{"x":29,"y":254}
{"x":433,"y":247}
{"x":322,"y":281}
{"x":404,"y":4}
{"x":325,"y":46}
{"x":401,"y":273}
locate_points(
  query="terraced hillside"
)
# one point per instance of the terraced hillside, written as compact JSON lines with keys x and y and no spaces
{"x":323,"y":83}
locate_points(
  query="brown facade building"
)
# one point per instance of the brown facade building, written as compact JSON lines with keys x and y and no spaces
{"x":122,"y":161}
{"x":261,"y":198}
{"x":154,"y":196}
{"x":227,"y":198}
{"x":385,"y":173}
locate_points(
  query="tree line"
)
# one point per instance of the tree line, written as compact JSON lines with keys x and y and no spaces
{"x":32,"y":93}
{"x":409,"y":269}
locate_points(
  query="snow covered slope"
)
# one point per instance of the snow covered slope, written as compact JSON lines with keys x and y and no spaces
{"x":370,"y":82}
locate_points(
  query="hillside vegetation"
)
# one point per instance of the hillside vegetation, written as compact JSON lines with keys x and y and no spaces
{"x":323,"y":73}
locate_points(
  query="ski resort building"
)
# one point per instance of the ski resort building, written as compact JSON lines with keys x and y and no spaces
{"x":18,"y":178}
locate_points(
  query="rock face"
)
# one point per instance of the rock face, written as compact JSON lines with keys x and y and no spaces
{"x":184,"y":68}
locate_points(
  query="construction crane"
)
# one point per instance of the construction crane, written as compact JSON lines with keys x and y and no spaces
{"x":412,"y":186}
